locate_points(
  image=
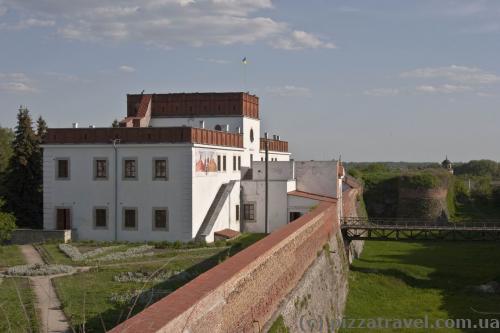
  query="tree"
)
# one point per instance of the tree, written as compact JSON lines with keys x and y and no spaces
{"x":478,"y":168}
{"x":6,"y":137}
{"x":41,"y":128}
{"x":115,"y":123}
{"x":23,"y":180}
{"x":7,"y":224}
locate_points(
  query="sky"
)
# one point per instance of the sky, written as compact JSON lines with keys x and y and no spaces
{"x":384,"y":80}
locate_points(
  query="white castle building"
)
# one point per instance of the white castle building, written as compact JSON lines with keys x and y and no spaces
{"x":179,"y":167}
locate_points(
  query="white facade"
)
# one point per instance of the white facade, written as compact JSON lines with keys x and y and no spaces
{"x":196,"y":174}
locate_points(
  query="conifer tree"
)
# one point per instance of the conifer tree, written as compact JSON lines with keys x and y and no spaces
{"x":23,"y":177}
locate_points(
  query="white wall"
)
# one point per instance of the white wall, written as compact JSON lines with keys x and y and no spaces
{"x":254,"y":192}
{"x":300,"y":204}
{"x":210,"y":122}
{"x":206,"y":186}
{"x":82,"y":193}
{"x":318,"y":177}
{"x":277,"y":170}
{"x":274,"y":155}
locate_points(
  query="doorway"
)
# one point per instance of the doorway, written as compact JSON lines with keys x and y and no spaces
{"x":63,"y":219}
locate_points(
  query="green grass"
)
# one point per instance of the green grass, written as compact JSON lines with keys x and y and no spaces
{"x":279,"y":326}
{"x":86,"y":297}
{"x":475,"y":210}
{"x":13,"y":318}
{"x":10,"y":255}
{"x":412,"y":280}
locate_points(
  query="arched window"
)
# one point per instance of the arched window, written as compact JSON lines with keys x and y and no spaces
{"x":251,"y":135}
{"x":218,"y":128}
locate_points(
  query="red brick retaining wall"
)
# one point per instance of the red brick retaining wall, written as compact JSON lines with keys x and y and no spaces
{"x":242,"y":293}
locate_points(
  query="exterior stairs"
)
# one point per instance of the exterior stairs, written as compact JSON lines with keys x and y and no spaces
{"x":214,"y":210}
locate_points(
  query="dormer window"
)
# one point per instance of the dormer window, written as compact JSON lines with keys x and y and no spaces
{"x":218,"y":128}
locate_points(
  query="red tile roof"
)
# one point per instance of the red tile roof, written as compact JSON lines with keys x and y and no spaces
{"x":312,"y":196}
{"x":227,"y":233}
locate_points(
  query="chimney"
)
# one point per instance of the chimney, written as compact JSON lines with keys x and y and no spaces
{"x":202,"y":124}
{"x":91,"y":126}
{"x":226,"y":128}
{"x":238,"y":129}
{"x":265,"y":135}
{"x":275,"y":137}
{"x":278,"y":137}
{"x":75,"y":125}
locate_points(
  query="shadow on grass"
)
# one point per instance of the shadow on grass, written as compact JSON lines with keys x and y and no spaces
{"x":453,"y":269}
{"x":120,"y":312}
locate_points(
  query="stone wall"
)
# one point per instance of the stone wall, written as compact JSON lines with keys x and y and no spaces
{"x":30,"y":236}
{"x":299,"y":270}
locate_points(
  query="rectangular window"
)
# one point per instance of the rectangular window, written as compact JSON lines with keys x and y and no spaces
{"x":160,"y":219}
{"x":100,"y":168}
{"x":239,"y":162}
{"x":160,"y":169}
{"x":63,"y":218}
{"x":62,"y":171}
{"x":218,"y":163}
{"x":130,"y":218}
{"x":234,"y":163}
{"x":224,"y":163}
{"x":249,"y":212}
{"x":101,"y":217}
{"x":130,"y":169}
{"x":237,"y":212}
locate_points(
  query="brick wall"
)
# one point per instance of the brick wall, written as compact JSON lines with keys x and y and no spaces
{"x":243,"y":293}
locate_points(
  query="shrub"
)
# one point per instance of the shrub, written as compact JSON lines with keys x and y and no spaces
{"x":419,"y":180}
{"x":133,"y":252}
{"x":39,"y":269}
{"x":75,"y":254}
{"x":7,"y":224}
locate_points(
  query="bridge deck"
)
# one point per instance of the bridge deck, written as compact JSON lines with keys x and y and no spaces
{"x":418,"y":229}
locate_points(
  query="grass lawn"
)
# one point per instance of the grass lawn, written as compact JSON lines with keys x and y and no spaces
{"x":411,"y":280}
{"x":10,"y":255}
{"x":88,"y":297}
{"x":475,"y":210}
{"x":13,"y":318}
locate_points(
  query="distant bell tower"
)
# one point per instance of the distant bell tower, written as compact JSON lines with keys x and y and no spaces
{"x":447,"y":165}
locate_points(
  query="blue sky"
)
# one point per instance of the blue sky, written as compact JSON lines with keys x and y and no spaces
{"x":371,"y":80}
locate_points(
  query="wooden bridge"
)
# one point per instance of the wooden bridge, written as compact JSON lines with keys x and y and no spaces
{"x":355,"y":228}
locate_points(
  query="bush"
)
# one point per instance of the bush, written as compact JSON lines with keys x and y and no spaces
{"x":482,"y":190}
{"x":462,"y":194}
{"x":7,"y":224}
{"x":39,"y":269}
{"x":419,"y":180}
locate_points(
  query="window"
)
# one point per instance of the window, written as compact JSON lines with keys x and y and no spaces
{"x":237,"y":212}
{"x":251,"y":135}
{"x":249,"y":212}
{"x":218,"y":163}
{"x":234,"y":163}
{"x":100,"y":168}
{"x":251,"y":159}
{"x":62,"y":168}
{"x":130,"y":169}
{"x":218,"y":128}
{"x":262,"y":159}
{"x":239,"y":162}
{"x":160,"y":219}
{"x":160,"y":169}
{"x":100,"y":217}
{"x":224,"y":163}
{"x":130,"y":218}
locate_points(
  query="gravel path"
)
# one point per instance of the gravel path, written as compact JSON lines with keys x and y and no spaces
{"x":52,"y":317}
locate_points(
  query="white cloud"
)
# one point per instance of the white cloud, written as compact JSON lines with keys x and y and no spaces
{"x":461,"y":74}
{"x":299,"y":40}
{"x":289,"y":91}
{"x":127,"y":69}
{"x":166,"y":23}
{"x":382,"y":92}
{"x":16,"y":83}
{"x":443,"y":89}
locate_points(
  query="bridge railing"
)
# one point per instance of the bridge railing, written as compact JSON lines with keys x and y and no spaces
{"x":409,"y":222}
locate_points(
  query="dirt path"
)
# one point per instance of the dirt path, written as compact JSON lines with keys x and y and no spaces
{"x":52,"y":317}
